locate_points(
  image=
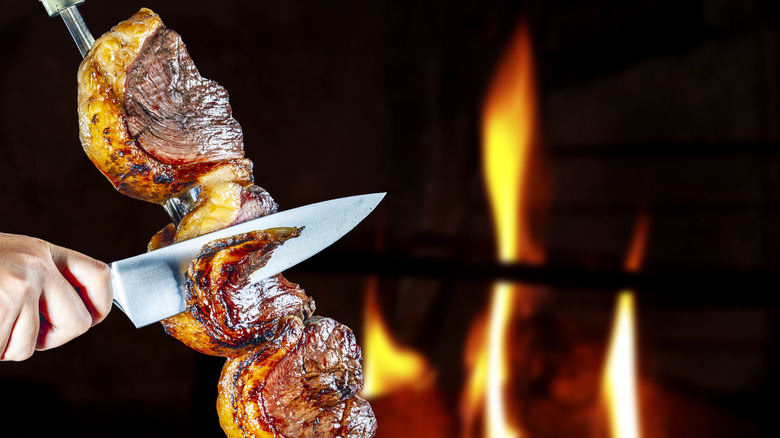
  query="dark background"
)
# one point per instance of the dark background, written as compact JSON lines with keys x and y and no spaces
{"x":668,"y":107}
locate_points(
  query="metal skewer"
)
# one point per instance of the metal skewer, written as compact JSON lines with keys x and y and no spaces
{"x":73,"y":20}
{"x":176,"y":207}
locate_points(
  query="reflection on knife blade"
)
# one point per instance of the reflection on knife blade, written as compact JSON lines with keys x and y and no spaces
{"x":227,"y":314}
{"x":150,"y":287}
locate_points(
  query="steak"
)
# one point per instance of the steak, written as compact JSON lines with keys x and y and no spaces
{"x":156,"y":129}
{"x":175,"y":114}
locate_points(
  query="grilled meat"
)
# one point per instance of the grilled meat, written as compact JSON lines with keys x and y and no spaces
{"x":225,"y":314}
{"x":146,"y":159}
{"x":311,"y":392}
{"x":175,"y":114}
{"x":156,"y":128}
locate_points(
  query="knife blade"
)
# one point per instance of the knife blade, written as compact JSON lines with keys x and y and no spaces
{"x":150,"y":287}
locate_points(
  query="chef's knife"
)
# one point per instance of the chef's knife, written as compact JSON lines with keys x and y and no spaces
{"x":150,"y":287}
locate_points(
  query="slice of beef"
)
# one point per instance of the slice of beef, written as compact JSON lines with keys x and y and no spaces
{"x":240,"y":405}
{"x":225,"y":314}
{"x":255,"y":202}
{"x":312,"y":392}
{"x":357,"y":419}
{"x":174,"y":113}
{"x":187,"y":132}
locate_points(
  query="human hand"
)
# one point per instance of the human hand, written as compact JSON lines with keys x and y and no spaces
{"x":48,"y":295}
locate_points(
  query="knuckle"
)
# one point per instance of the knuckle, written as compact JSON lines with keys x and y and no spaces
{"x":79,"y":323}
{"x":26,"y":353}
{"x":84,"y":323}
{"x":19,"y":354}
{"x":104,"y":273}
{"x":14,"y":293}
{"x":33,"y":255}
{"x":42,"y":266}
{"x":104,"y":300}
{"x":37,"y":246}
{"x":102,"y":268}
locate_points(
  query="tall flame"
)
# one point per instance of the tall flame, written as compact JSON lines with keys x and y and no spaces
{"x":620,"y":372}
{"x":387,"y":366}
{"x":508,"y":141}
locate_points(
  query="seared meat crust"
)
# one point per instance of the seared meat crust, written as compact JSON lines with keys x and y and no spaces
{"x":240,"y":404}
{"x":155,"y":128}
{"x":309,"y":393}
{"x":104,"y":131}
{"x":225,"y":314}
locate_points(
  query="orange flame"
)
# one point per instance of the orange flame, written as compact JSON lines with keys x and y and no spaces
{"x":620,"y":372}
{"x":508,"y":140}
{"x":387,"y":366}
{"x":476,"y":362}
{"x":636,"y":252}
{"x":508,"y":152}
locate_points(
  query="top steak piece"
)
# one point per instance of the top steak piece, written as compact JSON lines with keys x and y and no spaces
{"x":174,"y":113}
{"x":149,"y":122}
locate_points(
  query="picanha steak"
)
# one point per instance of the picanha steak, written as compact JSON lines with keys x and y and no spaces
{"x":156,"y":128}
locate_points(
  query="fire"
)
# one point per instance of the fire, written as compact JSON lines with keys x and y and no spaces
{"x":620,"y":372}
{"x":476,"y":362}
{"x":638,"y":244}
{"x":508,"y":157}
{"x":508,"y":149}
{"x":497,"y":373}
{"x":387,"y":366}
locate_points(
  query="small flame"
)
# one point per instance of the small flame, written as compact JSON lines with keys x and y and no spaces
{"x":387,"y":366}
{"x":620,"y":385}
{"x":620,"y":372}
{"x":508,"y":158}
{"x":636,"y":252}
{"x":476,"y":362}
